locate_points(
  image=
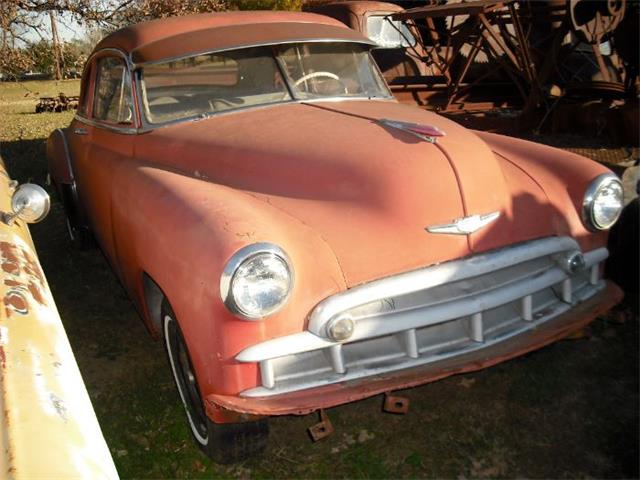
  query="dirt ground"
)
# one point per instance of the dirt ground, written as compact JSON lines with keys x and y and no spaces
{"x":567,"y":411}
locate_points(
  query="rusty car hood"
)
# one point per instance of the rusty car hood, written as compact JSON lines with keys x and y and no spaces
{"x":367,"y":189}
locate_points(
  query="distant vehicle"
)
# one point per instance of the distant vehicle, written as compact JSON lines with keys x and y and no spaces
{"x":299,"y":238}
{"x":48,"y":425}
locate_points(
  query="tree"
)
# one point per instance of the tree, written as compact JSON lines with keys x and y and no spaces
{"x":41,"y":55}
{"x":20,"y":19}
{"x":267,"y":4}
{"x":125,"y":12}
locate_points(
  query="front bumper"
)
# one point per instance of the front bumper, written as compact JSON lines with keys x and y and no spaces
{"x":306,"y":401}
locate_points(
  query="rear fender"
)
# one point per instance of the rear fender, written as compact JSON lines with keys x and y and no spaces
{"x":60,"y":166}
{"x":59,"y":158}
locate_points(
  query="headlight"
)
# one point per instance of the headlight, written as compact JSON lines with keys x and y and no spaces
{"x":256,"y":281}
{"x":603,"y":202}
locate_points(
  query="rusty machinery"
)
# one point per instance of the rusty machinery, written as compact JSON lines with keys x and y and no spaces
{"x":528,"y":55}
{"x":60,"y":103}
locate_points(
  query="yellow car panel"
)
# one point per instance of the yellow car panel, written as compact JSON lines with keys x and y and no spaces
{"x":49,"y":428}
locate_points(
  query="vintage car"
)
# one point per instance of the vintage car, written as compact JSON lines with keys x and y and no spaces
{"x":48,"y":426}
{"x":299,"y":238}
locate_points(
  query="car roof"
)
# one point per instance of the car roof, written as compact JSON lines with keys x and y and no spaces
{"x":358,"y":7}
{"x":176,"y":37}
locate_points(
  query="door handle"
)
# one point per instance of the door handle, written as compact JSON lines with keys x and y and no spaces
{"x":80,"y":131}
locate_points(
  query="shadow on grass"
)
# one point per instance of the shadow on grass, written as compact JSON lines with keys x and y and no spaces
{"x":26,"y":160}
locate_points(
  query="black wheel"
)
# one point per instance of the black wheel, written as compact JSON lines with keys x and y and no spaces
{"x":223,"y":443}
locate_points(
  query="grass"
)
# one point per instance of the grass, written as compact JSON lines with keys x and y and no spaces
{"x":567,"y":411}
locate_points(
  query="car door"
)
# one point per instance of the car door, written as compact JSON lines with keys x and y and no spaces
{"x":108,"y":139}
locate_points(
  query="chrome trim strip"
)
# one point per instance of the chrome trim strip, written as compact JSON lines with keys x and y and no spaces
{"x":417,"y":318}
{"x":126,"y":57}
{"x":416,"y":280}
{"x":589,"y":197}
{"x":283,"y":346}
{"x":148,"y":127}
{"x":237,"y":259}
{"x":111,"y":128}
{"x":67,"y":153}
{"x":403,"y":363}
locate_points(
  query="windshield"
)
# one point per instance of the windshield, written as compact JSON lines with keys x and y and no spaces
{"x":317,"y":70}
{"x":388,"y":33}
{"x":215,"y":82}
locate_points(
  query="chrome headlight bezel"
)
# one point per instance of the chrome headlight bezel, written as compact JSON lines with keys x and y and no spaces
{"x":588,"y":202}
{"x":240,"y":258}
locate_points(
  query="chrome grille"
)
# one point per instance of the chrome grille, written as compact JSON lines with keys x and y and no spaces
{"x":474,"y":303}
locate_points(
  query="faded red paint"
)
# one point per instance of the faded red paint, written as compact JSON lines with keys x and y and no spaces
{"x":347,"y":198}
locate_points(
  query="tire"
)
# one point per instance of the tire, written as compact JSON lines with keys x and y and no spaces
{"x":222,"y":443}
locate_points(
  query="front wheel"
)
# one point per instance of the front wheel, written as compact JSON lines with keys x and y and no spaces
{"x":223,"y":443}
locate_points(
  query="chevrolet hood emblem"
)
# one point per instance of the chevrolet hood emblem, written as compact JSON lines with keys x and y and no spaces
{"x":466,"y":225}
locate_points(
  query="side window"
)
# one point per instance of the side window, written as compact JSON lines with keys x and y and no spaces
{"x":112,"y":99}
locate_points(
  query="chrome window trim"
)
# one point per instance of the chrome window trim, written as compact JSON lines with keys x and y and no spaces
{"x":121,"y":53}
{"x":147,"y":126}
{"x":111,"y":128}
{"x":251,"y":45}
{"x":125,"y":130}
{"x":589,"y":197}
{"x":237,"y":259}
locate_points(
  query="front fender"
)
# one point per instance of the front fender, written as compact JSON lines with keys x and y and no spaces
{"x":562,"y":175}
{"x":182,"y":231}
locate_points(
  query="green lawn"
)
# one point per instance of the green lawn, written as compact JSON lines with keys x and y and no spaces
{"x":566,"y":411}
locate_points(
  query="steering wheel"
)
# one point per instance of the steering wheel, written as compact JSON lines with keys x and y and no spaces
{"x":330,"y":75}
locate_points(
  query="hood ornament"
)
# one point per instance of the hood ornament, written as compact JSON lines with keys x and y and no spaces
{"x":465,"y":225}
{"x":428,"y":133}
